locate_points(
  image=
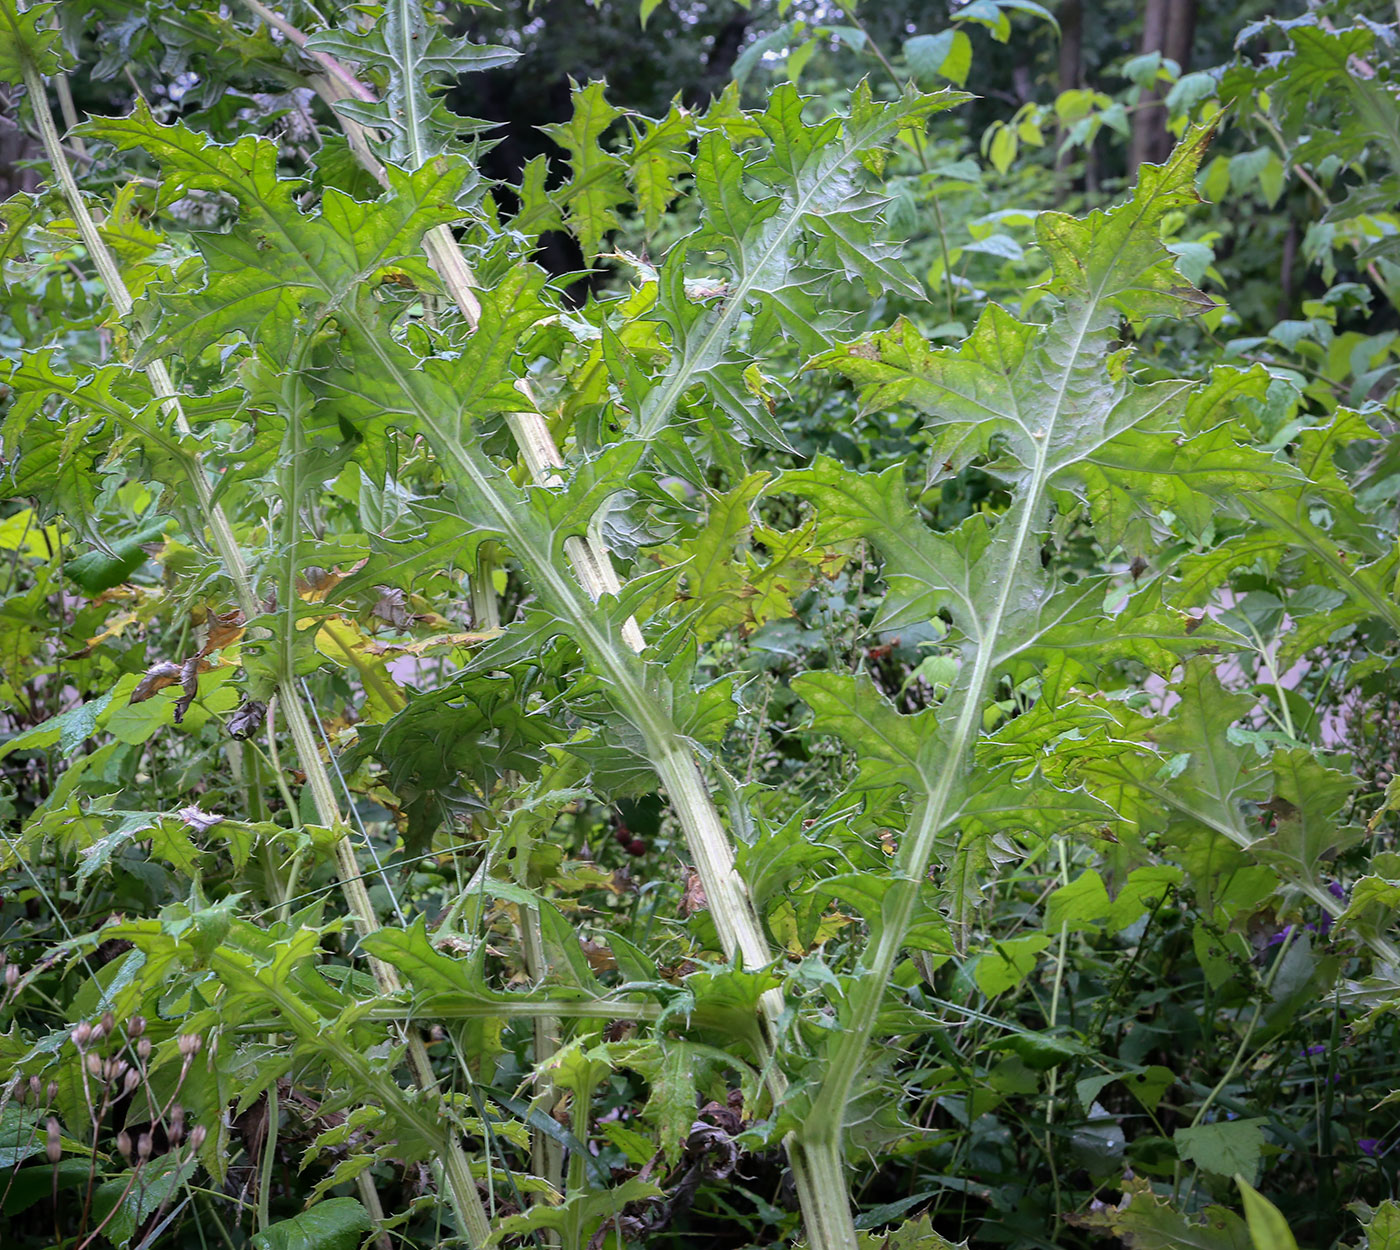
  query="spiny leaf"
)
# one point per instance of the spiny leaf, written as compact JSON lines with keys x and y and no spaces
{"x":658,"y":156}
{"x":1113,"y":260}
{"x":418,"y":59}
{"x":1052,"y":393}
{"x":29,"y":40}
{"x":893,"y":749}
{"x":926,"y":572}
{"x":597,"y":179}
{"x":808,"y":191}
{"x":281,"y":265}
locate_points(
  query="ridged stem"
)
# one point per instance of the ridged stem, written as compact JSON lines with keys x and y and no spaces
{"x":736,"y":921}
{"x":464,"y":1195}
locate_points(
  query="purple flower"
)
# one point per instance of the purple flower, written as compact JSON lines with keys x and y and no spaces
{"x":1369,"y":1146}
{"x":1337,"y":890}
{"x":1315,"y":1050}
{"x":1281,"y":936}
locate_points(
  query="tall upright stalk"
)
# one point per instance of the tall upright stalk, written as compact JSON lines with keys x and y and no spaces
{"x":1044,"y":388}
{"x":739,"y":928}
{"x":456,"y":1169}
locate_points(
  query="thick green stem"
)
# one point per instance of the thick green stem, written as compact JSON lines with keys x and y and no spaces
{"x":822,"y":1190}
{"x":821,"y":1135}
{"x":546,"y":1155}
{"x":735,"y":919}
{"x":462,"y":1187}
{"x":486,"y":609}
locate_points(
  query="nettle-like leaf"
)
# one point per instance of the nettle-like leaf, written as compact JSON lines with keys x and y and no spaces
{"x":1183,"y":470}
{"x":659,"y":155}
{"x":379,"y":381}
{"x":445,"y":752}
{"x":1042,"y":398}
{"x":60,"y":427}
{"x":724,"y":588}
{"x":811,"y":224}
{"x":30,"y":40}
{"x":597,"y":182}
{"x":415,"y":57}
{"x":281,"y":266}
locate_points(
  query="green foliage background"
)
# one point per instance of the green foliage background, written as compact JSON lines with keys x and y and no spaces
{"x":785,"y":652}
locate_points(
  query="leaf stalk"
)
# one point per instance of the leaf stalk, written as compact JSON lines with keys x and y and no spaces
{"x":462,"y":1187}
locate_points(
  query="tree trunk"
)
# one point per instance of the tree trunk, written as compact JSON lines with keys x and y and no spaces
{"x":1168,"y":27}
{"x":1069,"y":77}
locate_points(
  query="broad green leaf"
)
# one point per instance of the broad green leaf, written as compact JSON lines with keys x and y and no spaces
{"x":1149,"y":1223}
{"x":659,"y":155}
{"x":947,"y":54}
{"x":1383,"y":1229}
{"x":1051,"y":394}
{"x":1081,"y":906}
{"x":913,"y":1234}
{"x":332,"y":1224}
{"x":926,"y":572}
{"x":1307,"y":803}
{"x":1008,"y":963}
{"x":580,"y":1215}
{"x":1224,"y":1147}
{"x":894,"y":749}
{"x":1202,"y":776}
{"x":124,"y":1207}
{"x":282,"y":265}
